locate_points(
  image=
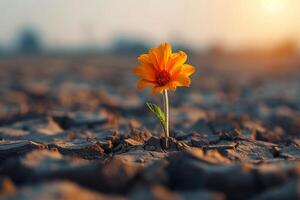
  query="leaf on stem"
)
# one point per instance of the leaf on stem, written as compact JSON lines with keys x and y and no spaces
{"x":158,"y":113}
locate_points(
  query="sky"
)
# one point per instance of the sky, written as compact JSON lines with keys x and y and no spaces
{"x":199,"y":23}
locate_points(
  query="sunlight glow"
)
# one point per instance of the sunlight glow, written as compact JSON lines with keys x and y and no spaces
{"x":274,"y":6}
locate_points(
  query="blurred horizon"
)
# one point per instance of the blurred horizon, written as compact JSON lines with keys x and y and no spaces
{"x":103,"y":25}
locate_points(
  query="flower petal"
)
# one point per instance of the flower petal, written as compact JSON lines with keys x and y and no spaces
{"x":187,"y":69}
{"x":176,"y":61}
{"x":183,"y":80}
{"x":160,"y":56}
{"x":146,"y":72}
{"x":144,"y":83}
{"x":153,"y":55}
{"x":159,"y":89}
{"x":172,"y":86}
{"x":144,"y":59}
{"x":165,"y":53}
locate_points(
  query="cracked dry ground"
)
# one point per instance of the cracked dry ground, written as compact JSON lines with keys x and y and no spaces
{"x":75,"y":128}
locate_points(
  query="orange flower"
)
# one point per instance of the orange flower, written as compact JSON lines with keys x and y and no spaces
{"x":163,"y":70}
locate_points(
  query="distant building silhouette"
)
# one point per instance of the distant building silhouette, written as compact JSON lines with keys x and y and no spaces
{"x":29,"y":42}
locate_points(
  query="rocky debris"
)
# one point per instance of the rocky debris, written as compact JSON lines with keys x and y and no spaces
{"x":201,"y":127}
{"x":250,"y":151}
{"x":43,"y":125}
{"x":41,"y":130}
{"x":10,"y":133}
{"x":288,"y":191}
{"x":160,"y":192}
{"x":236,"y":181}
{"x":155,"y":192}
{"x":7,"y":187}
{"x":9,"y":149}
{"x":112,"y":176}
{"x":221,"y":126}
{"x":138,"y":137}
{"x":155,"y":173}
{"x":200,"y":194}
{"x":192,"y":175}
{"x":80,"y":148}
{"x":276,"y":174}
{"x":74,"y":132}
{"x":61,"y":190}
{"x":290,"y":152}
{"x":52,"y":128}
{"x":159,"y":144}
{"x":199,"y":140}
{"x":153,"y":143}
{"x":140,"y":155}
{"x":37,"y":165}
{"x":79,"y":119}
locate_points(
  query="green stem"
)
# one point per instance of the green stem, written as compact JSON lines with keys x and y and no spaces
{"x":166,"y":110}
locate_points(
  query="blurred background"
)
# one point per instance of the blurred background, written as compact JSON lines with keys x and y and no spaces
{"x":102,"y":26}
{"x":68,"y":53}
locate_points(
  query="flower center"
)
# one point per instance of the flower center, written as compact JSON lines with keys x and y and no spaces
{"x":163,"y":77}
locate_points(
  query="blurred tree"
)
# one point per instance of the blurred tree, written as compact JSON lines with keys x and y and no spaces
{"x":129,"y":46}
{"x":1,"y":51}
{"x":181,"y":47}
{"x":29,"y":42}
